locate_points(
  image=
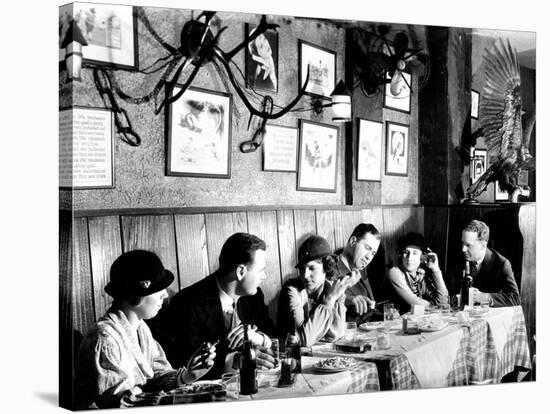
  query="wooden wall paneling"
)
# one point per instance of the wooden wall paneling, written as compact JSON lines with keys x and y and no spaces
{"x":344,"y":223}
{"x":304,"y":226}
{"x":264,"y":225}
{"x":219,"y":226}
{"x":192,"y":252}
{"x":325,"y":226}
{"x":82,"y":289}
{"x":527,"y":226}
{"x":287,"y":243}
{"x":156,"y":234}
{"x":394,"y":219}
{"x":105,"y":247}
{"x":436,"y":223}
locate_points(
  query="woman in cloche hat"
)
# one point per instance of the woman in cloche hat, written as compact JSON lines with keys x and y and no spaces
{"x":411,"y":283}
{"x":312,"y":306}
{"x":119,"y":358}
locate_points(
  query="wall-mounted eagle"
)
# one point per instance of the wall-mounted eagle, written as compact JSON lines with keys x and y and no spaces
{"x":500,"y":117}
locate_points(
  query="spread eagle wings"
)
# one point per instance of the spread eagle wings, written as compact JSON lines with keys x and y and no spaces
{"x":501,"y":120}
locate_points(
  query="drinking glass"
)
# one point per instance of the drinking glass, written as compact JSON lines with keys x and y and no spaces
{"x":389,"y":312}
{"x":445,"y":308}
{"x":351,"y":331}
{"x":275,"y":349}
{"x":232,"y":384}
{"x":286,"y":368}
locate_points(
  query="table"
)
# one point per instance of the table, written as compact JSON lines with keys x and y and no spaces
{"x":482,"y":352}
{"x":362,"y":378}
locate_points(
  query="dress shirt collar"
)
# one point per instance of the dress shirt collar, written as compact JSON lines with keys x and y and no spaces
{"x":226,"y":300}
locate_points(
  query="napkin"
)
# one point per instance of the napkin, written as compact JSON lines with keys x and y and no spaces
{"x":432,"y":361}
{"x":500,"y":323}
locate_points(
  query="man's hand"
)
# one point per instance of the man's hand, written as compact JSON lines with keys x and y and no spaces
{"x":199,"y":363}
{"x":265,"y":358}
{"x":481,"y":297}
{"x":362,"y":304}
{"x":235,"y":338}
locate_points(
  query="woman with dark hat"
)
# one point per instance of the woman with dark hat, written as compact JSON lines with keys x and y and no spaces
{"x":411,"y":283}
{"x":311,"y":306}
{"x":119,"y":358}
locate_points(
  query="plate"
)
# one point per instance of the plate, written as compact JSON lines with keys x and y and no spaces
{"x":433,"y":327}
{"x":334,"y":364}
{"x":478,"y":313}
{"x":371,"y":326}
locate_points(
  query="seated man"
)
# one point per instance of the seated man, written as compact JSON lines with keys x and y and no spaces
{"x":417,"y":278}
{"x":216,"y":307}
{"x":493,"y":278}
{"x":356,"y":256}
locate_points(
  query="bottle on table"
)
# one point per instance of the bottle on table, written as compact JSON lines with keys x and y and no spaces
{"x":466,"y":287}
{"x":248,"y":370}
{"x":292,"y":346}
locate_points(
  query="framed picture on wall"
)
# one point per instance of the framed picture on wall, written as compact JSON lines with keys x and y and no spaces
{"x":262,"y":60}
{"x":369,"y":150}
{"x":322,"y":69}
{"x":500,"y":195}
{"x":318,"y":157}
{"x":397,"y":148}
{"x":402,"y":101}
{"x":479,"y":165}
{"x":280,"y":148}
{"x":86,"y":148}
{"x":474,"y":112}
{"x":109,"y":30}
{"x":198,"y":131}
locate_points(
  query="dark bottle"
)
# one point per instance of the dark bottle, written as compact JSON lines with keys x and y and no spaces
{"x":249,"y":384}
{"x":465,"y":286}
{"x":292,"y":346}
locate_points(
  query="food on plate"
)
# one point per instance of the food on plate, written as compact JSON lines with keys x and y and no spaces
{"x":336,"y":363}
{"x":433,"y":324}
{"x":370,"y":326}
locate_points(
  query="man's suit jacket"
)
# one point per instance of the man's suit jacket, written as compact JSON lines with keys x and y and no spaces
{"x":495,"y":276}
{"x":195,"y":315}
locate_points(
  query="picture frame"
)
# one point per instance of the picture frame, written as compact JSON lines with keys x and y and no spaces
{"x":500,"y":196}
{"x":84,"y":163}
{"x":262,"y":60}
{"x":369,"y":150}
{"x":479,"y":164}
{"x":397,"y":148}
{"x":401,"y":102}
{"x":198,"y":134}
{"x":318,"y":157}
{"x":474,"y":111}
{"x":322,"y":76}
{"x":280,"y":148}
{"x":109,"y":29}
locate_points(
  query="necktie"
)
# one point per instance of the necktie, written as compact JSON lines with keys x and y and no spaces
{"x":473,"y":269}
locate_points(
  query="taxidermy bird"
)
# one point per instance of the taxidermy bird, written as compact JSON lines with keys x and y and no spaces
{"x":501,"y":121}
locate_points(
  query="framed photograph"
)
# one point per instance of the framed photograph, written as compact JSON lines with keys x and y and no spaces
{"x":322,"y":69}
{"x":479,"y":164}
{"x":109,"y":29}
{"x":280,"y":148}
{"x":401,"y":102}
{"x":86,"y":148}
{"x":397,"y":148}
{"x":262,"y":60}
{"x":474,"y":113}
{"x":318,"y":157}
{"x":199,"y":134}
{"x":369,"y":150}
{"x":500,"y":195}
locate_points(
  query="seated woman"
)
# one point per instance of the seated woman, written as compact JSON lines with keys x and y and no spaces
{"x":119,"y":358}
{"x":410,"y":283}
{"x":311,"y":306}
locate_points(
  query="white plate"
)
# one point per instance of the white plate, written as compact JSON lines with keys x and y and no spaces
{"x":328,"y":369}
{"x":433,"y":328}
{"x":371,"y":326}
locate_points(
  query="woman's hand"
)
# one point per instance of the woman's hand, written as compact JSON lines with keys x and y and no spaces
{"x":432,"y":262}
{"x":337,"y":289}
{"x":200,"y":362}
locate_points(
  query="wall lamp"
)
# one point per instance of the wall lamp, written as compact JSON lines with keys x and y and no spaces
{"x":73,"y":42}
{"x":340,"y":101}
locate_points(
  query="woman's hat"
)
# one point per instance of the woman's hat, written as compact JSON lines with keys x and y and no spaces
{"x":313,"y":248}
{"x":411,"y":239}
{"x":137,"y":273}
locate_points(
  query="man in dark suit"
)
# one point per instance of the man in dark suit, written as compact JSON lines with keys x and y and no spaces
{"x":358,"y":253}
{"x":493,"y":278}
{"x":217,"y":307}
